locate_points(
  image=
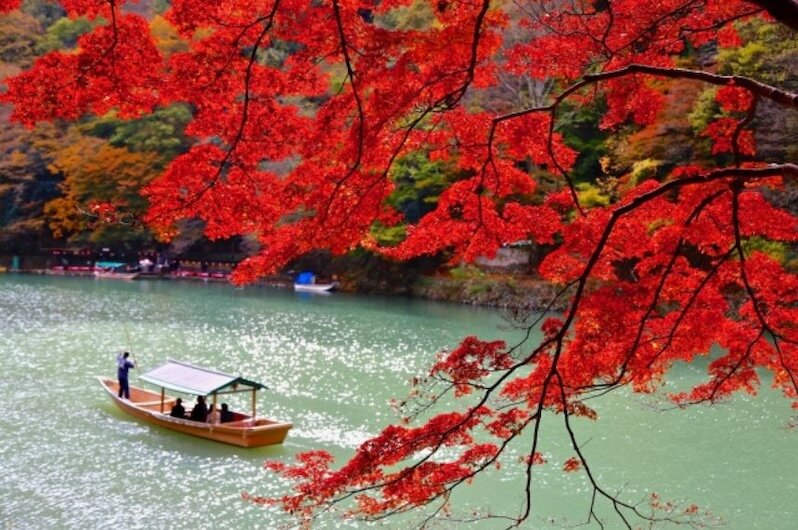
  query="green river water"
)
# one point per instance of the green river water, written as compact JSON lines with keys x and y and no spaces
{"x":70,"y":459}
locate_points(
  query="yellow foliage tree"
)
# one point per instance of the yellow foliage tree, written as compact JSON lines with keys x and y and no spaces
{"x":166,"y":37}
{"x":96,"y":172}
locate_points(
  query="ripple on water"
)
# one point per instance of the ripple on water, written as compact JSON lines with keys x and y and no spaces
{"x":82,"y":463}
{"x":69,"y":459}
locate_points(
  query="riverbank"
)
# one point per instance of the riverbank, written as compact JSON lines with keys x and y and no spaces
{"x":474,"y":288}
{"x":489,"y":290}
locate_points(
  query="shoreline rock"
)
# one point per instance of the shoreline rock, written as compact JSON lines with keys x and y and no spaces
{"x":491,"y":291}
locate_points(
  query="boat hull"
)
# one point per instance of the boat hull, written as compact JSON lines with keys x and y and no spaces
{"x":315,"y":287}
{"x":116,"y":275}
{"x":146,"y":406}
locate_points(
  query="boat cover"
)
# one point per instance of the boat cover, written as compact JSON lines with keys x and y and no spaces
{"x":109,"y":264}
{"x":190,"y":379}
{"x":305,"y":278}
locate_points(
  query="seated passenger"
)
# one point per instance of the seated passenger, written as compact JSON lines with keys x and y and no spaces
{"x":178,"y":411}
{"x":200,"y":410}
{"x":226,"y":415}
{"x":213,"y":415}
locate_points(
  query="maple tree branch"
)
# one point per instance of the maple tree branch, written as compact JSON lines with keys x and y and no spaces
{"x":559,"y":338}
{"x":528,"y":329}
{"x":474,"y":59}
{"x":749,"y":117}
{"x":756,"y":88}
{"x":234,"y":45}
{"x":752,"y":294}
{"x":718,"y":383}
{"x":721,"y":23}
{"x":661,"y":285}
{"x":551,"y":109}
{"x":680,"y":11}
{"x":732,"y":172}
{"x":608,"y":29}
{"x":224,"y":163}
{"x":782,"y":97}
{"x":350,"y":73}
{"x":695,"y":293}
{"x":682,"y":315}
{"x":542,"y":313}
{"x":442,"y":437}
{"x":616,"y":503}
{"x":543,"y":15}
{"x":487,"y":462}
{"x":408,"y":505}
{"x":109,"y":52}
{"x":774,"y":170}
{"x":446,"y":102}
{"x":731,"y":370}
{"x":738,"y":247}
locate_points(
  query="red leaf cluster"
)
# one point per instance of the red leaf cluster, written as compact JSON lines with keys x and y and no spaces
{"x":472,"y":361}
{"x":9,"y":5}
{"x":301,"y":111}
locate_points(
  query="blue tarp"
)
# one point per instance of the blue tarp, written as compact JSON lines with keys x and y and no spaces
{"x":305,"y":278}
{"x":109,"y":264}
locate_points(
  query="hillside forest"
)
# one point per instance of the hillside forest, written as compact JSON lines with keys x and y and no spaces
{"x":54,"y":175}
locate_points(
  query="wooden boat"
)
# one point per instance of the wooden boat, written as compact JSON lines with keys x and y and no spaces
{"x":116,"y":275}
{"x":154,"y":407}
{"x":113,"y":270}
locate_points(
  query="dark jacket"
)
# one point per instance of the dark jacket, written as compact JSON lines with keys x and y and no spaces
{"x":123,"y":365}
{"x":199,"y":412}
{"x":178,"y":411}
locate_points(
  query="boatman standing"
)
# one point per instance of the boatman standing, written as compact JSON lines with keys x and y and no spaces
{"x":123,"y":365}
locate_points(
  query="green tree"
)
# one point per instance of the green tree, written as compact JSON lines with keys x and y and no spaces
{"x":581,"y":131}
{"x":770,"y":53}
{"x":63,"y":34}
{"x":419,"y":182}
{"x":161,"y":132}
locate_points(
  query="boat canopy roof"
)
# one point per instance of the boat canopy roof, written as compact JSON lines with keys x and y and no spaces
{"x":109,"y":264}
{"x":190,"y":379}
{"x":305,"y":278}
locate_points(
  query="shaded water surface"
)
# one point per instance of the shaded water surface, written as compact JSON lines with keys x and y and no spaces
{"x":69,"y":459}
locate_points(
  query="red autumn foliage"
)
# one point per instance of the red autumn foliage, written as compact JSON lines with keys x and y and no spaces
{"x":733,"y":99}
{"x":659,"y":276}
{"x":9,"y":5}
{"x":571,"y":465}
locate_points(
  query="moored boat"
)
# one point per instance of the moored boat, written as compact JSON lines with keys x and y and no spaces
{"x":113,"y":270}
{"x":116,"y":275}
{"x":245,"y":430}
{"x":306,"y":282}
{"x":315,"y":287}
